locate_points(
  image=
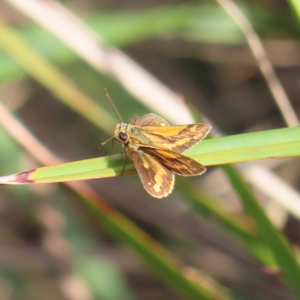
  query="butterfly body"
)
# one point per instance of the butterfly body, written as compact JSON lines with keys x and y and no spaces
{"x":155,"y":148}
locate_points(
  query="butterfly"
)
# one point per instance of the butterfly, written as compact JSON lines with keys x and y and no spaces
{"x":156,"y":150}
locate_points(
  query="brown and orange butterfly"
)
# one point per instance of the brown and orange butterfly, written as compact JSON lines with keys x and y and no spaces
{"x":155,"y":148}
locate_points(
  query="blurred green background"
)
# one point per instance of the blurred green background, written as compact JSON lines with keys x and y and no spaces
{"x":50,"y":247}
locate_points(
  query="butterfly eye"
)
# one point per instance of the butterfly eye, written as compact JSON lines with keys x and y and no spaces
{"x":123,"y":136}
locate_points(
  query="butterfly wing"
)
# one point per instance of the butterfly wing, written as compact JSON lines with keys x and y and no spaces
{"x":153,"y":128}
{"x":175,"y":162}
{"x":150,"y":120}
{"x":157,"y":180}
{"x":175,"y":138}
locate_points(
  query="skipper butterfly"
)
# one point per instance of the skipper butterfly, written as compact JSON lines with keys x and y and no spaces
{"x":156,"y":149}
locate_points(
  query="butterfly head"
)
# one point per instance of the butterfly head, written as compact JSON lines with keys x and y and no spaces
{"x":121,"y":132}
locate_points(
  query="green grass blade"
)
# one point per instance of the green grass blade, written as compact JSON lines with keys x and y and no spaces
{"x":243,"y":147}
{"x":155,"y":256}
{"x":51,"y":77}
{"x":295,"y":5}
{"x":205,"y":205}
{"x":247,"y":147}
{"x":277,"y":244}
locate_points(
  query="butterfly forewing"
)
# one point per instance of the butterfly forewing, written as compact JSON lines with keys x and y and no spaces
{"x":178,"y":138}
{"x":175,"y":138}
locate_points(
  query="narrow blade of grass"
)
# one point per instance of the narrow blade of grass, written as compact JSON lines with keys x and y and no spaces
{"x":295,"y":5}
{"x":205,"y":205}
{"x":51,"y":77}
{"x":156,"y":257}
{"x":277,"y":244}
{"x":243,"y":147}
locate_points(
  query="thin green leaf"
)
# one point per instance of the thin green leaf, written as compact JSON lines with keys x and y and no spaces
{"x":155,"y":256}
{"x":295,"y":5}
{"x":205,"y":205}
{"x":59,"y":84}
{"x":243,"y":147}
{"x":277,"y":243}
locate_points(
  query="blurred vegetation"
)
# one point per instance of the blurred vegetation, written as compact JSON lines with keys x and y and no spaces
{"x":52,"y":246}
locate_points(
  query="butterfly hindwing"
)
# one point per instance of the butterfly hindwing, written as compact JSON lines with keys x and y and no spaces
{"x":157,"y":180}
{"x":175,"y":162}
{"x":150,"y":120}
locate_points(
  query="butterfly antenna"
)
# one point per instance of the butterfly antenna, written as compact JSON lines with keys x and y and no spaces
{"x":107,"y":95}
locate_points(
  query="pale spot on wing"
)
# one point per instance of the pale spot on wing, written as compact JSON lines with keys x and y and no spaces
{"x":156,"y":188}
{"x":145,"y":164}
{"x":158,"y":178}
{"x":193,"y":128}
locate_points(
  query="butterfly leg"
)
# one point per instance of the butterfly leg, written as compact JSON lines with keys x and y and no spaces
{"x":112,"y":147}
{"x":125,"y":162}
